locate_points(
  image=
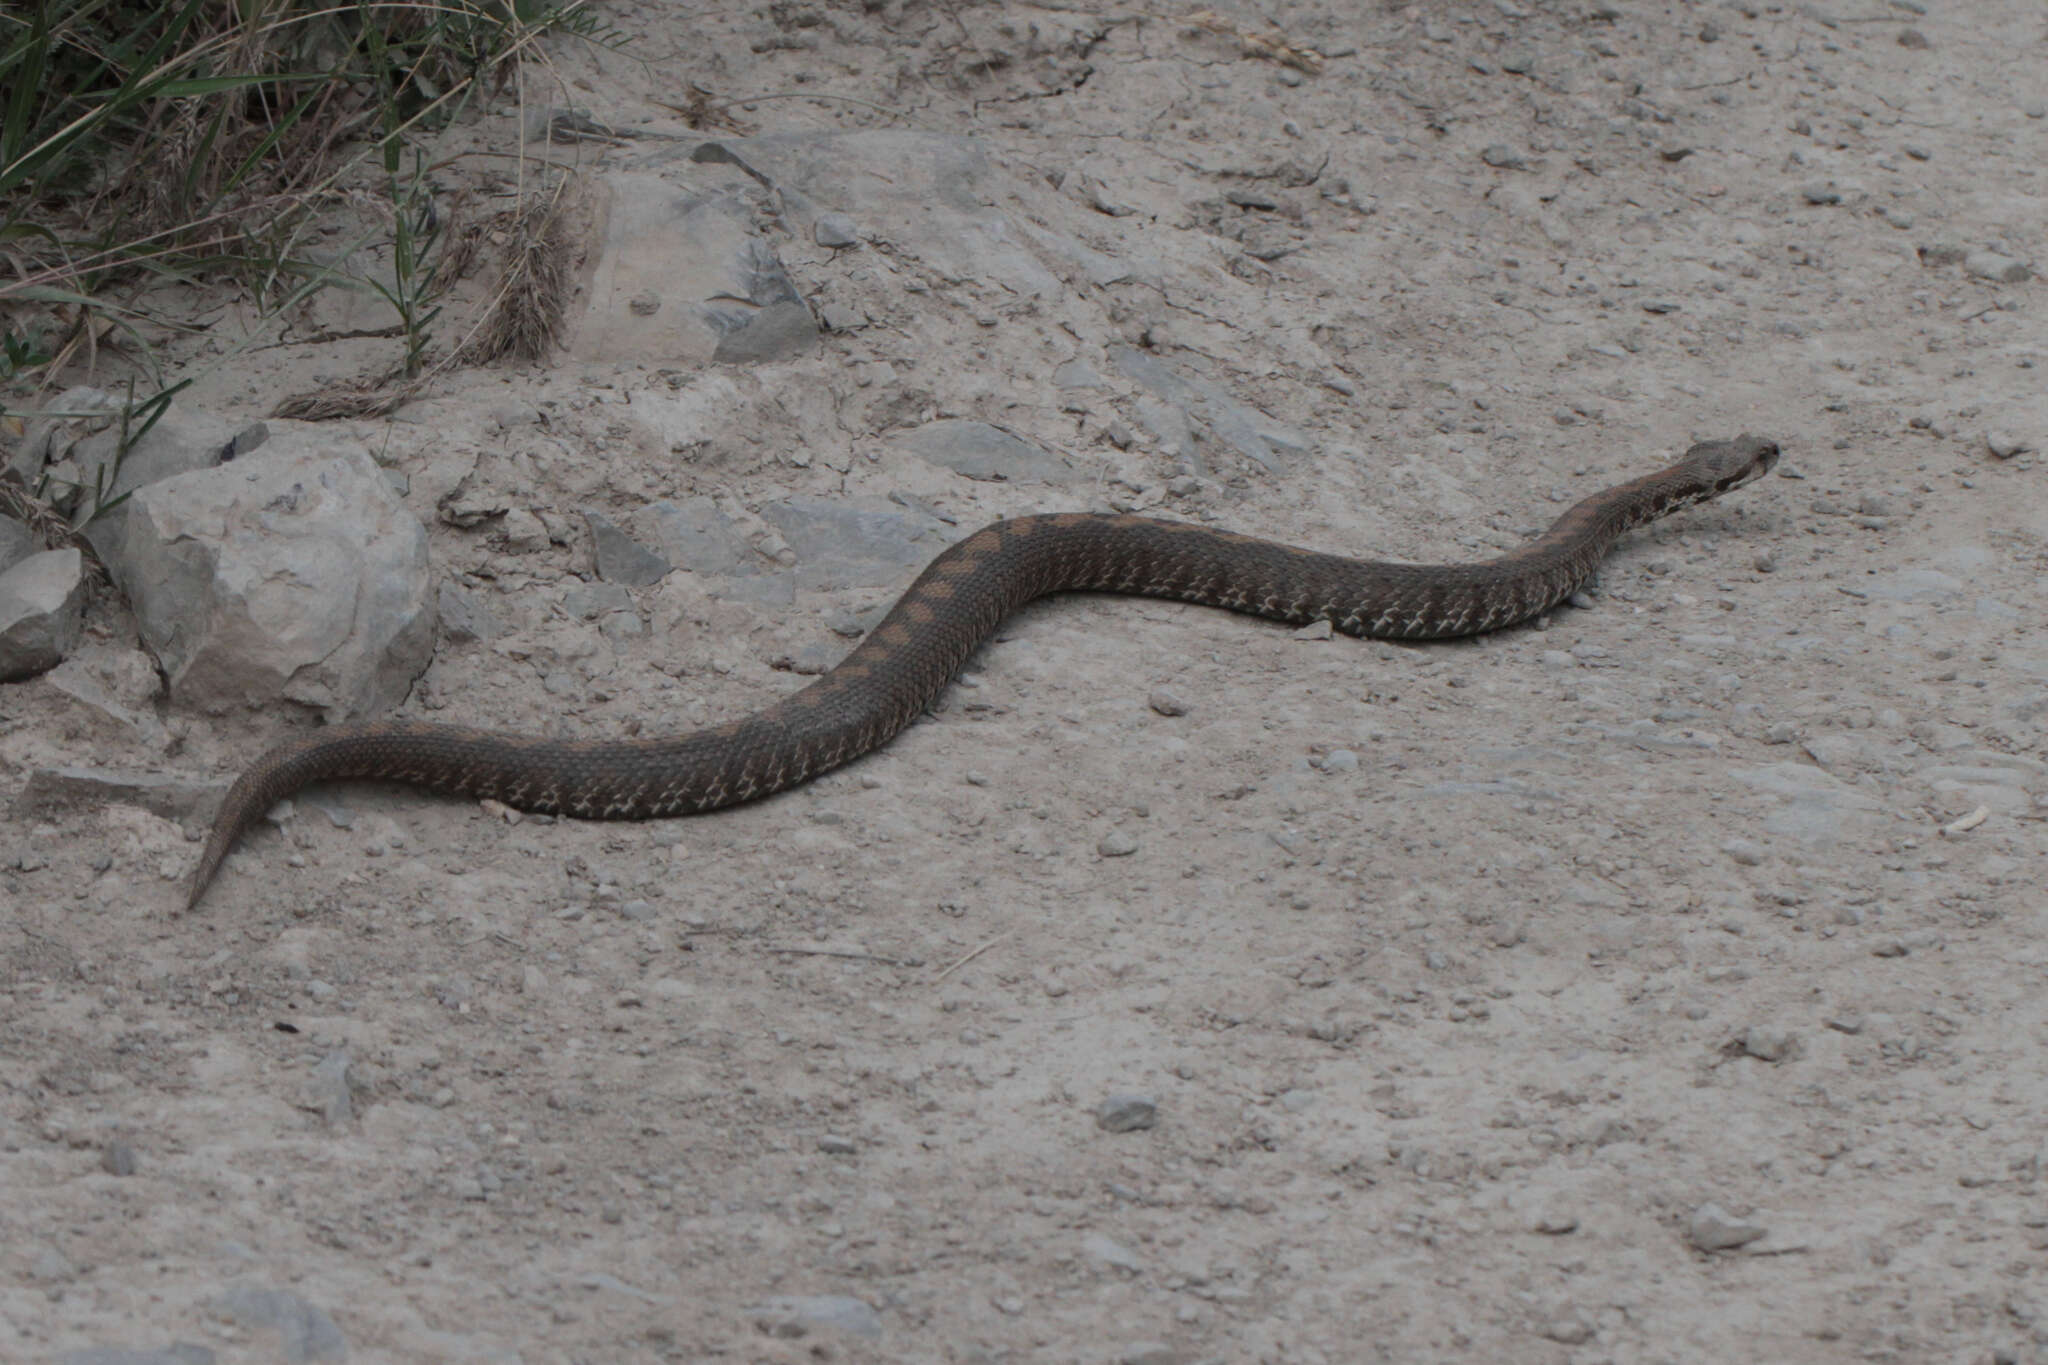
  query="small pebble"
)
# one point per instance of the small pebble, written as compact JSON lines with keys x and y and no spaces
{"x":832,"y":1144}
{"x":1149,"y":1353}
{"x":1914,"y":39}
{"x":836,"y":230}
{"x":1713,"y":1228}
{"x":1743,"y":851}
{"x":1340,"y":761}
{"x":1766,"y":1043}
{"x":1568,"y":1331}
{"x":118,"y":1159}
{"x":1126,"y":1113}
{"x":1167,"y":703}
{"x":2004,"y":445}
{"x":1116,"y":844}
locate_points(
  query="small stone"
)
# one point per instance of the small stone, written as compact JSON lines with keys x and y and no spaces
{"x":835,"y":230}
{"x":118,"y":1159}
{"x":2004,"y":444}
{"x":1111,"y":1252}
{"x":1126,"y":1113}
{"x":1914,"y":39}
{"x":1116,"y":844}
{"x":1340,"y":761}
{"x":832,"y":1144}
{"x":1874,"y":505}
{"x":1569,"y":1330}
{"x":1149,"y":1353}
{"x":644,"y":304}
{"x":1713,"y":1228}
{"x":1766,"y":1043}
{"x":1743,"y":851}
{"x":1821,"y":194}
{"x":1314,"y":630}
{"x":1503,"y":157}
{"x":798,"y":1315}
{"x":305,"y":1333}
{"x":1076,"y":374}
{"x":1167,"y":703}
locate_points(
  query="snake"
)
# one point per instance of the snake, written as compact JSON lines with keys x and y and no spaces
{"x":952,"y":607}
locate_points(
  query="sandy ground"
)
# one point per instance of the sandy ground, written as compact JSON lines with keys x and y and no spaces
{"x":1724,"y":890}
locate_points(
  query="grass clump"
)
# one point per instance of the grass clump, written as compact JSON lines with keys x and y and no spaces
{"x":146,"y":147}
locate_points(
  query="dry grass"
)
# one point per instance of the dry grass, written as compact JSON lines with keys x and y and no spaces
{"x":534,"y":246}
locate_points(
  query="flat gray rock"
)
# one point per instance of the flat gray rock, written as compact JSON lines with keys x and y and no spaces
{"x":796,"y":1315}
{"x":464,"y":616}
{"x":855,"y":542}
{"x":50,"y":791}
{"x":933,"y":197}
{"x":1913,"y":585}
{"x":177,"y":1353}
{"x":620,"y":558}
{"x":1815,"y":808}
{"x":1246,"y":430}
{"x":305,"y":1332}
{"x":693,"y":534}
{"x":684,"y":276}
{"x":978,"y":450}
{"x":17,"y":543}
{"x":42,"y":606}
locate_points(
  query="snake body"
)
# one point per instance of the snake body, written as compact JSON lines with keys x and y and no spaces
{"x":956,"y":604}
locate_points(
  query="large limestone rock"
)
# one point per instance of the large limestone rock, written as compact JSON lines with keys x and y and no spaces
{"x":293,"y":573}
{"x":42,"y":602}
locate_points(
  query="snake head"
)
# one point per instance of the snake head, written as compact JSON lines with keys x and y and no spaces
{"x":1723,"y":465}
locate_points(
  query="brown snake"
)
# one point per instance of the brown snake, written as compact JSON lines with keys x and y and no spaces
{"x":954,"y":605}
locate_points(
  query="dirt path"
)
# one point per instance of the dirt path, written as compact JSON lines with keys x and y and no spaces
{"x":1460,"y":980}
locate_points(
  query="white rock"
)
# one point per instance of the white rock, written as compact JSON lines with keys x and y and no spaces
{"x":295,"y":572}
{"x":42,"y":601}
